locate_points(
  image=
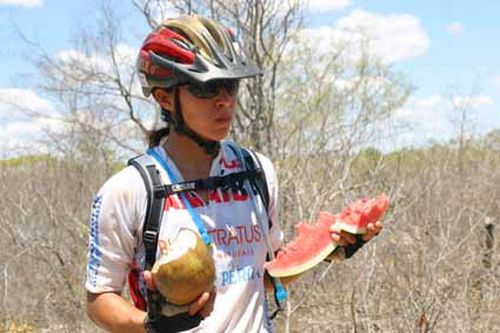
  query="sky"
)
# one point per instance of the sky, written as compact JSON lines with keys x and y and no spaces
{"x":448,"y":50}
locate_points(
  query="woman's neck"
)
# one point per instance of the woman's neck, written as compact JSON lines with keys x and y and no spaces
{"x":191,"y":159}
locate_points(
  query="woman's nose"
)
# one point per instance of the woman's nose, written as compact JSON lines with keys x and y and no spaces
{"x":224,"y":97}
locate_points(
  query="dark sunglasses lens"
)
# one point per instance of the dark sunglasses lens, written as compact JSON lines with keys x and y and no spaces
{"x":231,"y":87}
{"x":202,"y":90}
{"x":212,"y":89}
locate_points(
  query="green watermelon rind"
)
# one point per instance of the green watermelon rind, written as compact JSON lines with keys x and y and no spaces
{"x":356,"y":229}
{"x":352,"y":229}
{"x":303,"y":267}
{"x":328,"y":247}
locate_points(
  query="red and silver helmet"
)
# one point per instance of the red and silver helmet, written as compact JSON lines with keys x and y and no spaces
{"x":191,"y":48}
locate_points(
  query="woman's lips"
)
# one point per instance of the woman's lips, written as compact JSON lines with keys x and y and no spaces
{"x":223,"y":119}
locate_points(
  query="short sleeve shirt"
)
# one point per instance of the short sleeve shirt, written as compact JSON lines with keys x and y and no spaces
{"x":231,"y":219}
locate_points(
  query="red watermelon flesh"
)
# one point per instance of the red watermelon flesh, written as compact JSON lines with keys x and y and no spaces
{"x":312,"y":245}
{"x":355,"y":218}
{"x":313,"y":242}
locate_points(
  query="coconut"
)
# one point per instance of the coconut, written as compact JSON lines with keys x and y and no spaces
{"x":185,"y":269}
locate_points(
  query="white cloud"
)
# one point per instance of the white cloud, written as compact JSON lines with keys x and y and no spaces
{"x":22,"y":3}
{"x":496,"y":81}
{"x":23,"y":118}
{"x":455,"y":28}
{"x":389,"y":37}
{"x":20,"y":104}
{"x":25,"y":138}
{"x":13,"y":132}
{"x":471,"y":101}
{"x":96,"y":69}
{"x":393,"y":37}
{"x":324,"y":5}
{"x":429,"y":102}
{"x":102,"y":108}
{"x":424,"y":113}
{"x":437,"y":118}
{"x":421,"y":120}
{"x":80,"y":65}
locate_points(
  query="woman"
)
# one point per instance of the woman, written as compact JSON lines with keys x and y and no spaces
{"x":191,"y":66}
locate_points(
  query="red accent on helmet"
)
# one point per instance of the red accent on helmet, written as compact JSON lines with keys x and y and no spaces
{"x":232,"y":33}
{"x":161,"y":42}
{"x":147,"y":66}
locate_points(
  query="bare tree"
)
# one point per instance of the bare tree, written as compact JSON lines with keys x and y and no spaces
{"x":99,"y":96}
{"x":435,"y":266}
{"x":45,"y":206}
{"x":266,"y":28}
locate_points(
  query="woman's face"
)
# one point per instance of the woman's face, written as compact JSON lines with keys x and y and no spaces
{"x":208,"y":117}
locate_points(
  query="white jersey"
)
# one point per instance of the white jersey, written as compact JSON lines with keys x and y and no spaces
{"x":116,"y":250}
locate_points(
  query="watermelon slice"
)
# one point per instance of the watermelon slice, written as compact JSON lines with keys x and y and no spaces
{"x":314,"y":243}
{"x":311,"y":246}
{"x":355,"y":218}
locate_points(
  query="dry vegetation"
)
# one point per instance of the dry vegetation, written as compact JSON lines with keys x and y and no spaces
{"x":45,"y":203}
{"x":433,"y":269}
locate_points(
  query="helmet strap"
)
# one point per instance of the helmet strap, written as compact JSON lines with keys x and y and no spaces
{"x":211,"y":147}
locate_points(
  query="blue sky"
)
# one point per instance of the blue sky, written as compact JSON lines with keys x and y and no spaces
{"x":447,"y":50}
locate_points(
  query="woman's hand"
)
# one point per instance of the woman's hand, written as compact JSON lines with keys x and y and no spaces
{"x":203,"y":305}
{"x":373,"y":230}
{"x":343,"y":238}
{"x":349,"y":243}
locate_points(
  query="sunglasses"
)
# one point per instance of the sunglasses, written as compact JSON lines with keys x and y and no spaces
{"x":212,"y":88}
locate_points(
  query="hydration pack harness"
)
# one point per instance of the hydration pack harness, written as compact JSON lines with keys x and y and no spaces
{"x":253,"y":178}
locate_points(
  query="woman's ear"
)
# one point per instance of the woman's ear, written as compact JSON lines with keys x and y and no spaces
{"x":165,"y":98}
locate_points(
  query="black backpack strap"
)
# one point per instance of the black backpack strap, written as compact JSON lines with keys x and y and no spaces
{"x":154,"y":209}
{"x":209,"y":183}
{"x":259,"y":180}
{"x":157,"y":193}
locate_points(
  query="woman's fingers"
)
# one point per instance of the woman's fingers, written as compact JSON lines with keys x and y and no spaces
{"x":341,"y":237}
{"x":148,"y":279}
{"x":335,"y":234}
{"x":373,"y":230}
{"x":209,"y":306}
{"x":197,"y":305}
{"x":203,"y":304}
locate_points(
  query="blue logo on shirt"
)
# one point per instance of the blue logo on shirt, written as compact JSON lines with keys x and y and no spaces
{"x":95,"y":256}
{"x":240,"y":275}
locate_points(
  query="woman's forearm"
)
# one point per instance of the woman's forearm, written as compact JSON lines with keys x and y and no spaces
{"x":284,"y":280}
{"x":113,"y":313}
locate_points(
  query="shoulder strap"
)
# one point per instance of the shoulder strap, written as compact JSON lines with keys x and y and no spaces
{"x":252,"y":161}
{"x":259,"y":181}
{"x":157,"y":192}
{"x":156,"y":199}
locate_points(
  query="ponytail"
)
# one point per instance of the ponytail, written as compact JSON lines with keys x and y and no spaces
{"x":155,"y":136}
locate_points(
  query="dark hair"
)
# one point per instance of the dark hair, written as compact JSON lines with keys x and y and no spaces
{"x":155,"y":136}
